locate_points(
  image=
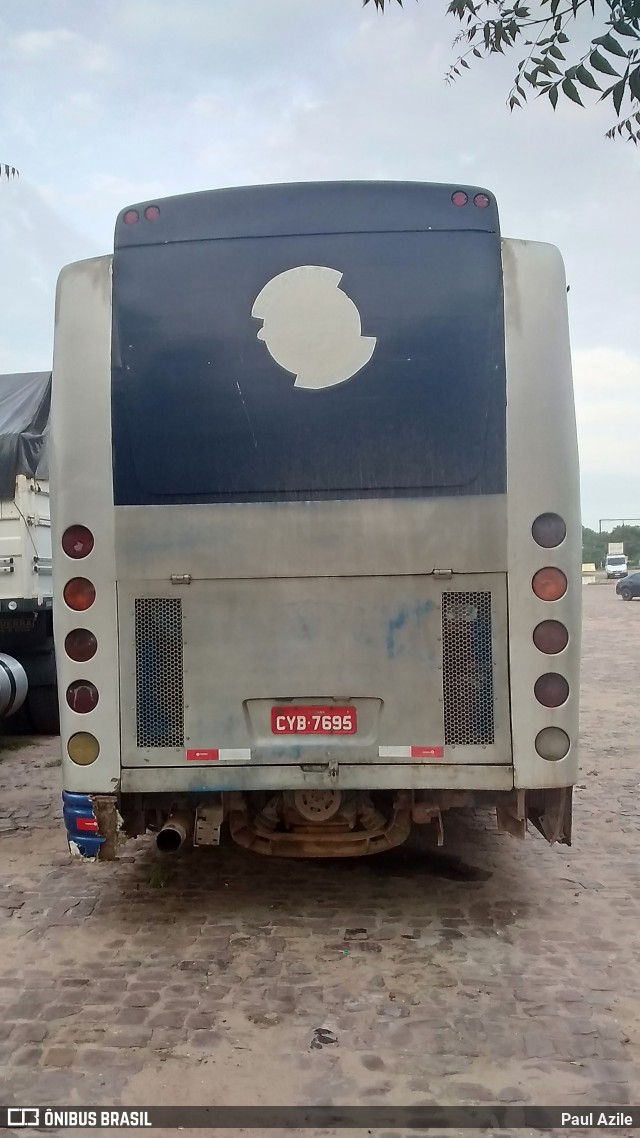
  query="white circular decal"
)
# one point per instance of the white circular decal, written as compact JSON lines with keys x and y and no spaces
{"x":311,"y":328}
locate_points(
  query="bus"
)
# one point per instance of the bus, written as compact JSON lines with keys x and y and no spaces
{"x":316,"y":525}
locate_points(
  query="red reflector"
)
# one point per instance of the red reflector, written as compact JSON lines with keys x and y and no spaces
{"x":82,"y":696}
{"x":86,"y":824}
{"x":459,"y":198}
{"x":131,"y":216}
{"x":427,"y":752}
{"x":77,"y":541}
{"x":202,"y":756}
{"x":79,"y":594}
{"x":152,"y":213}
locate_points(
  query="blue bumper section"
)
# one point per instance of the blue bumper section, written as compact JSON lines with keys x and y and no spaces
{"x":75,"y":808}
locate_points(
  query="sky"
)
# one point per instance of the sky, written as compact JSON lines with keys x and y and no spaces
{"x":106,"y":104}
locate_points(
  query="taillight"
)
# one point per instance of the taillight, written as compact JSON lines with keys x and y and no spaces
{"x":552,"y":743}
{"x":83,"y":748}
{"x":77,"y":541}
{"x":549,"y":584}
{"x":481,"y":201}
{"x":152,"y":213}
{"x":549,"y":530}
{"x":551,"y":637}
{"x":80,"y":645}
{"x":459,"y":198}
{"x":82,"y":696}
{"x":551,"y":690}
{"x":131,"y":216}
{"x":79,"y":594}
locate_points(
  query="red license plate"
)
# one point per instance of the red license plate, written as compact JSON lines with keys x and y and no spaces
{"x":313,"y":721}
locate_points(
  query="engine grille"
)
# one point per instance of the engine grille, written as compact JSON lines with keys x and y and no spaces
{"x":159,"y":672}
{"x":467,"y":669}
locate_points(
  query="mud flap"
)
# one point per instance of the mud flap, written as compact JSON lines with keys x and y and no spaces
{"x":110,"y":825}
{"x":550,"y":811}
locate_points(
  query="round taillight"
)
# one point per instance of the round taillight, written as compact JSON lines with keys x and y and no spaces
{"x":152,"y":213}
{"x":83,"y":748}
{"x":549,"y":584}
{"x":482,"y":201}
{"x":79,"y":594}
{"x":552,"y":743}
{"x":82,"y":696}
{"x":459,"y":198}
{"x":551,"y":637}
{"x":80,"y":645}
{"x":77,"y":541}
{"x":551,"y":690}
{"x":549,"y":530}
{"x":131,"y":216}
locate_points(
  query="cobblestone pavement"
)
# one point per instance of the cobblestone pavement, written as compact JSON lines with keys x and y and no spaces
{"x":494,"y":971}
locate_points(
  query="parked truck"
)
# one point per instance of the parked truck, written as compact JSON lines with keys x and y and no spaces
{"x":27,"y":660}
{"x":616,"y":563}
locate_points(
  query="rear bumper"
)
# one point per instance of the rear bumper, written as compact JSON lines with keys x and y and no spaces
{"x":346,"y":776}
{"x":78,"y":812}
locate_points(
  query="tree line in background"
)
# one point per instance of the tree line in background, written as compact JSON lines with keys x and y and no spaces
{"x":594,"y":544}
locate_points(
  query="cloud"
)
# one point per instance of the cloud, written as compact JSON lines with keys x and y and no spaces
{"x":64,"y":48}
{"x":607,"y":387}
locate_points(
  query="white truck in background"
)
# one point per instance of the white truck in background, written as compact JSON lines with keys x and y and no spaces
{"x":616,"y":563}
{"x":27,"y":660}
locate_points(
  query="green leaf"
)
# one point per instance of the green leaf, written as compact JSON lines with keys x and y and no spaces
{"x":634,"y":83}
{"x":611,"y":45}
{"x":562,"y":38}
{"x":601,"y":64}
{"x":555,"y":52}
{"x":464,"y":63}
{"x":618,"y":94}
{"x":571,"y":92}
{"x":586,"y":78}
{"x":553,"y":95}
{"x":513,"y":102}
{"x":624,"y":29}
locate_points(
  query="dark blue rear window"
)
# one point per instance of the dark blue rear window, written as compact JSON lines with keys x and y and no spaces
{"x":203,"y":413}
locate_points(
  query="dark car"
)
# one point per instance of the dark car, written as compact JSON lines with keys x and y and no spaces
{"x":629,"y":587}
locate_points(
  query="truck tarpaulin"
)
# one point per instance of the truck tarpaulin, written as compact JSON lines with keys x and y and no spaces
{"x":25,"y":401}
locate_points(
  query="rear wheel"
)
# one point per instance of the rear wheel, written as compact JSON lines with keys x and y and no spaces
{"x":43,"y":710}
{"x":626,"y":594}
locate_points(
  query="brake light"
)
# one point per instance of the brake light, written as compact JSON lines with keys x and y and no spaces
{"x":83,"y":749}
{"x":549,"y":584}
{"x":459,"y":198}
{"x":82,"y":696}
{"x":80,"y":645}
{"x":79,"y":594}
{"x":77,"y":541}
{"x":551,"y":637}
{"x":551,"y":690}
{"x":549,"y":530}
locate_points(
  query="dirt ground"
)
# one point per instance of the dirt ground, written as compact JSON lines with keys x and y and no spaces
{"x":496,"y":971}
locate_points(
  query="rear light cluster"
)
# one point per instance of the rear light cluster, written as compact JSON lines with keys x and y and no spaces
{"x":151,"y":213}
{"x":80,"y":645}
{"x":550,"y":636}
{"x":481,"y":201}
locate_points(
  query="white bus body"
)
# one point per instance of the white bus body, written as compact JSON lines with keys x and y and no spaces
{"x":317,"y":671}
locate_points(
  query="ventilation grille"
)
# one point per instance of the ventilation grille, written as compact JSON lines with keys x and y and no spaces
{"x":159,"y":675}
{"x":467,"y":669}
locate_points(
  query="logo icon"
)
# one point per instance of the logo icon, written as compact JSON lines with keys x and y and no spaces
{"x":311,"y":328}
{"x":19,"y":1116}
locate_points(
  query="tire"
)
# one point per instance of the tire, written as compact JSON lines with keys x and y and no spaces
{"x":626,"y":594}
{"x":43,"y":710}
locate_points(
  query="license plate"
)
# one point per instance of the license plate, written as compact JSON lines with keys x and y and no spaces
{"x":313,"y":721}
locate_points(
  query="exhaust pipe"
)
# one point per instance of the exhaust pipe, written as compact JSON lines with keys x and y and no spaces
{"x":175,"y":831}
